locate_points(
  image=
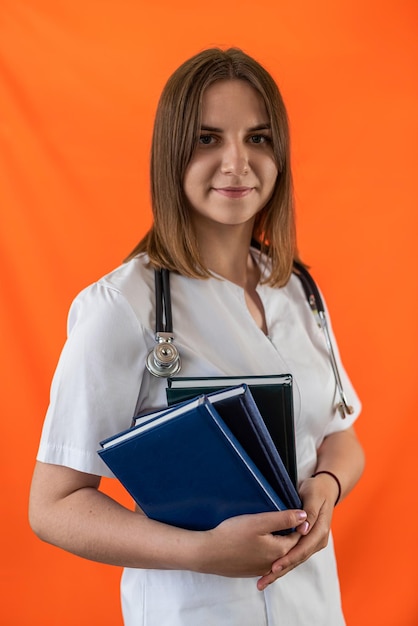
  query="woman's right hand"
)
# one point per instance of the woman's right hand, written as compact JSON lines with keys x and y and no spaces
{"x":244,"y":546}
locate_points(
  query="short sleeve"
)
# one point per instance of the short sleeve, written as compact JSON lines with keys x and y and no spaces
{"x":96,"y":384}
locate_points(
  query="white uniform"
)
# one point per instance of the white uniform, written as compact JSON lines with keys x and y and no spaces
{"x":101,"y":381}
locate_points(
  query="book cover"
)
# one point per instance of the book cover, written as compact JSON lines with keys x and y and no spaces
{"x":272,"y":395}
{"x":187,"y":469}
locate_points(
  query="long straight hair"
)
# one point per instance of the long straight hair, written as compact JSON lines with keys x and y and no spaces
{"x":171,"y":242}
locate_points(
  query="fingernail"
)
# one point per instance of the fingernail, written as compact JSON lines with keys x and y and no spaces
{"x":302,"y":515}
{"x":304,"y":527}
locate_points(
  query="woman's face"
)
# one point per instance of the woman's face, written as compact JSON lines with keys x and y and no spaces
{"x":232,"y":173}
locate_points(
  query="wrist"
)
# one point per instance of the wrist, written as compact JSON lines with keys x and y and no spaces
{"x":201,"y":552}
{"x":335,"y":479}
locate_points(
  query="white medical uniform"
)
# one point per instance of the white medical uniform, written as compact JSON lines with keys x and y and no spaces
{"x":101,"y":381}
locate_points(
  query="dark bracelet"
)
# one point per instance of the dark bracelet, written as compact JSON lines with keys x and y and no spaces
{"x":336,"y":480}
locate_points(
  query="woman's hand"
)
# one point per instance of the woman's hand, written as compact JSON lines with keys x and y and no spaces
{"x":318,"y":496}
{"x":342,"y":454}
{"x":244,"y":546}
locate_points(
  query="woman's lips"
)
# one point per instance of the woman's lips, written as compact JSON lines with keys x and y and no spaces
{"x":234,"y":192}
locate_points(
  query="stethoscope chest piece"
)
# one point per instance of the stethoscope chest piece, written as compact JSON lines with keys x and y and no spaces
{"x":164,"y":359}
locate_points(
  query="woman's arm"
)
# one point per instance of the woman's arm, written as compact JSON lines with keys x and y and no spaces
{"x":341,"y":454}
{"x":68,"y":510}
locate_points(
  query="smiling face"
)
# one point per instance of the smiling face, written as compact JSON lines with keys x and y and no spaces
{"x":232,"y":173}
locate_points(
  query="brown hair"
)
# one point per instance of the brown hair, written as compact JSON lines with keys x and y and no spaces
{"x":171,"y":241}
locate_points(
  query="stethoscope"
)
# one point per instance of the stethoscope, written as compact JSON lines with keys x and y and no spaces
{"x":164,"y":360}
{"x":317,"y":306}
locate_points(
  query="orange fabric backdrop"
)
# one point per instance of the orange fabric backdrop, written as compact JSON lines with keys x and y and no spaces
{"x":79,"y":82}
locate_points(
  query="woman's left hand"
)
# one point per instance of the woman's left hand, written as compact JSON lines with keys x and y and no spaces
{"x":318,"y":496}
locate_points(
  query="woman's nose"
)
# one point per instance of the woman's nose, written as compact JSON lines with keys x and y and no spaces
{"x":234,"y":159}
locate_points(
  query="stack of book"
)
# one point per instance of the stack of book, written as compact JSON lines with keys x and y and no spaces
{"x":202,"y":460}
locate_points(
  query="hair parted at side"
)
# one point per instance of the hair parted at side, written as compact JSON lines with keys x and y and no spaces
{"x":171,"y":242}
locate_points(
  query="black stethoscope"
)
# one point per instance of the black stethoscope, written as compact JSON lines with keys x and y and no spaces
{"x":164,"y":359}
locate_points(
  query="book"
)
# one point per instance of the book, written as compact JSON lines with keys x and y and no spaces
{"x":237,"y":408}
{"x":273,"y":397}
{"x":183,"y":466}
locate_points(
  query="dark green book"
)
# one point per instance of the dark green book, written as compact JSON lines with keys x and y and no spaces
{"x":274,"y":399}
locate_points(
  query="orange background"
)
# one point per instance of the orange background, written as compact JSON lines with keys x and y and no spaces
{"x":78,"y":90}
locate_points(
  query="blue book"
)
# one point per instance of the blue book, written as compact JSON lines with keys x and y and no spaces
{"x":184,"y":467}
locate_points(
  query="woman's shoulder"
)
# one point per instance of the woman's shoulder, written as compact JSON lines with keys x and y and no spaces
{"x":127,"y":287}
{"x":134,"y":274}
{"x":128,"y":278}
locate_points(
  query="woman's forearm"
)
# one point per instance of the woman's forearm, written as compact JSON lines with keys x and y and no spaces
{"x":88,"y":523}
{"x":68,"y":510}
{"x":341,"y":454}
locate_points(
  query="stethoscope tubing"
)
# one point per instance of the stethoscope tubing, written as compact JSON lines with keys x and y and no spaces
{"x":318,"y":308}
{"x":164,"y":360}
{"x":163,"y":313}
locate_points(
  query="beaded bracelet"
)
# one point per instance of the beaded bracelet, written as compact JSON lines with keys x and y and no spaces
{"x":336,"y":480}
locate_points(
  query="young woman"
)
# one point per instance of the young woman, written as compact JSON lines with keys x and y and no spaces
{"x":220,"y":177}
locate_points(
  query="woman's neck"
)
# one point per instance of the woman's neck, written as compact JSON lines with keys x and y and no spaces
{"x":227,"y":253}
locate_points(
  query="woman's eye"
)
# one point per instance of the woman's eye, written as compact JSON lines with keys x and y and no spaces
{"x":259,"y":139}
{"x":206,"y":140}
